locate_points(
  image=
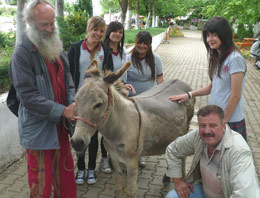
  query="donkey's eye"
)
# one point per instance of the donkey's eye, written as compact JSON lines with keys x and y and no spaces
{"x":97,"y":105}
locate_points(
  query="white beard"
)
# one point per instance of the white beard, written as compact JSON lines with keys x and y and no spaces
{"x":49,"y":47}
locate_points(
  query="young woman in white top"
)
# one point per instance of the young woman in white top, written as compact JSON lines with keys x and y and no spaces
{"x":80,"y":56}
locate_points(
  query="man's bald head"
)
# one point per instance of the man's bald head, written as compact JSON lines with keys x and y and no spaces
{"x":29,"y":12}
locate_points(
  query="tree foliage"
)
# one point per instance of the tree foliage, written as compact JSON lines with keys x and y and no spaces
{"x":110,"y":6}
{"x":241,"y":11}
{"x":83,"y":6}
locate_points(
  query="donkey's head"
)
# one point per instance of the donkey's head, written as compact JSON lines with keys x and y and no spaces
{"x":94,"y":101}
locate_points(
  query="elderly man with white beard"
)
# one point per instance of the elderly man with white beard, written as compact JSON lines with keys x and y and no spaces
{"x":41,"y":76}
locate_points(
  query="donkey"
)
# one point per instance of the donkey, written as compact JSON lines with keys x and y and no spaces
{"x":132,"y":127}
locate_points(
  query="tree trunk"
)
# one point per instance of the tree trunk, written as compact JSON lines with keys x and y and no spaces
{"x":21,"y":24}
{"x":256,"y":28}
{"x":123,"y":7}
{"x":137,"y":19}
{"x":129,"y":15}
{"x":59,"y":6}
{"x":153,"y":17}
{"x":147,"y":25}
{"x":128,"y":19}
{"x":157,"y":21}
{"x":153,"y":20}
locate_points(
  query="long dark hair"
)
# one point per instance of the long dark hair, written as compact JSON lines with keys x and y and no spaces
{"x":146,"y":38}
{"x":220,"y":26}
{"x":113,"y":27}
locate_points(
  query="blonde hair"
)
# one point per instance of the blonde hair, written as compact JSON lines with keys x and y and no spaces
{"x":95,"y":22}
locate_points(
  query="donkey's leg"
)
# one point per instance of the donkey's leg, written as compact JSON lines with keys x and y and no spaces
{"x":132,"y":176}
{"x":120,"y":179}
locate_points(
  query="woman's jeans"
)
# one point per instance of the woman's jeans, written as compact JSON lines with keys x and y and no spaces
{"x":198,"y":192}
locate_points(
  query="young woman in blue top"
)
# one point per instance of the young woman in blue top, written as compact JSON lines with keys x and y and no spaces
{"x":146,"y":68}
{"x":227,"y":69}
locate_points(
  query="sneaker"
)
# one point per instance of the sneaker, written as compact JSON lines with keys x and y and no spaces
{"x":105,"y":165}
{"x":142,"y":162}
{"x":80,"y":177}
{"x":92,"y":178}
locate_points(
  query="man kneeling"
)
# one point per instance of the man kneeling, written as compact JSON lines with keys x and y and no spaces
{"x":222,"y":165}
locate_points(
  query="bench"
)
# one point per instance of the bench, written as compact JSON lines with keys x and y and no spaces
{"x":247,"y":42}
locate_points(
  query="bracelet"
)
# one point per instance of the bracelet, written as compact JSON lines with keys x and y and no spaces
{"x":189,"y":94}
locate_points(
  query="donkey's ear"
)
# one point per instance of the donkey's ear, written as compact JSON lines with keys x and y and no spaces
{"x":112,"y":77}
{"x":93,"y":69}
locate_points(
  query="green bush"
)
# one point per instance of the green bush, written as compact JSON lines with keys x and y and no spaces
{"x":8,"y":11}
{"x":2,"y":40}
{"x":67,"y":37}
{"x":7,"y":39}
{"x":77,"y":23}
{"x":242,"y":32}
{"x":5,"y":54}
{"x":13,"y":2}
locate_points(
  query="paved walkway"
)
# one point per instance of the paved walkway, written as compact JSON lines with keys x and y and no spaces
{"x":184,"y":58}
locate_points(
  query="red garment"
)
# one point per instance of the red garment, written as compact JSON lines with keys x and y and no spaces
{"x":47,"y":168}
{"x":56,"y":73}
{"x":115,"y":53}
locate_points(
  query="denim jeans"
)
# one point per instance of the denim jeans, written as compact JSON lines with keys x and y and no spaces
{"x":198,"y":192}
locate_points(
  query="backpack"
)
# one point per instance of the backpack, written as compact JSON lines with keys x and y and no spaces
{"x":12,"y":101}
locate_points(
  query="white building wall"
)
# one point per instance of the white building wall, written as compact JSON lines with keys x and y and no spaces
{"x":10,"y":148}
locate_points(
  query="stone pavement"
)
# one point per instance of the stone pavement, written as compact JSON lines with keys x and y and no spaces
{"x":184,"y":58}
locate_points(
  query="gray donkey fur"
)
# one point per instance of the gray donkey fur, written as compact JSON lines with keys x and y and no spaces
{"x":142,"y":125}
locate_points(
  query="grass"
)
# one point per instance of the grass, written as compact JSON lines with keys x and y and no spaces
{"x":130,"y":34}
